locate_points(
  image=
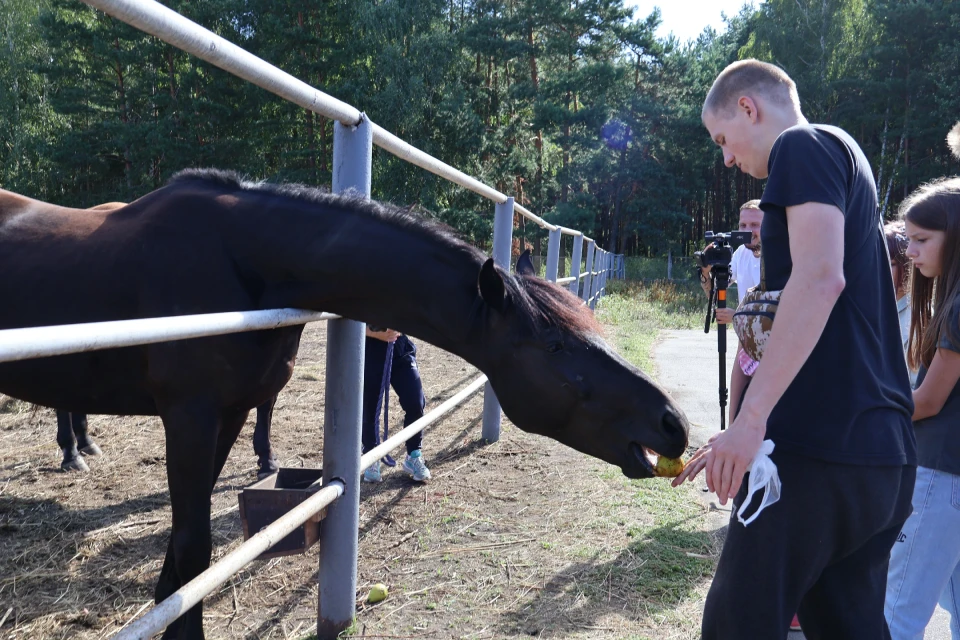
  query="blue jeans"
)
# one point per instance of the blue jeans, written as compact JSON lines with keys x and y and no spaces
{"x":925,"y":560}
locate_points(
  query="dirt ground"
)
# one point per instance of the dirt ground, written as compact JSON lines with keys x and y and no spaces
{"x":521,"y":538}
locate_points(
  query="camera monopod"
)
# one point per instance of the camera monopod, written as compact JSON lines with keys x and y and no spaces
{"x":719,"y":280}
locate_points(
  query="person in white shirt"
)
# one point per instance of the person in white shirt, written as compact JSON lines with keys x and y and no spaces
{"x":745,"y":263}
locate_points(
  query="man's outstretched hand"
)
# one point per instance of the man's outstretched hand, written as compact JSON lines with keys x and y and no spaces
{"x":726,"y":457}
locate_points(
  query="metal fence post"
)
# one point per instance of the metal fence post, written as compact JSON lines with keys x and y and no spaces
{"x":336,"y":606}
{"x":575,"y":257}
{"x":553,"y":255}
{"x":604,"y":260}
{"x":597,"y":273}
{"x":607,"y":262}
{"x":601,"y":260}
{"x":502,"y":243}
{"x":588,"y":271}
{"x":607,"y":265}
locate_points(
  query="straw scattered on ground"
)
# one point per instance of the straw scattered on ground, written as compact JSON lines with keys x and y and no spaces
{"x":520,"y":538}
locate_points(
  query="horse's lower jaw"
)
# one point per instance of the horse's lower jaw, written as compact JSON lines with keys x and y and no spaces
{"x":642,"y":467}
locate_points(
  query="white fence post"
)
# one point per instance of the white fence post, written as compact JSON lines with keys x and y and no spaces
{"x":502,"y":242}
{"x":343,"y":411}
{"x":599,"y":259}
{"x":587,"y":271}
{"x":575,"y":256}
{"x":553,"y":254}
{"x":594,"y":256}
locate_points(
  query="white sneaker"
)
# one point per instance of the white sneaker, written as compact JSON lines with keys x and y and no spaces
{"x":414,"y":465}
{"x":372,"y":473}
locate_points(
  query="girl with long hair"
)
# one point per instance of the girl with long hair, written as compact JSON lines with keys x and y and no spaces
{"x":925,"y":560}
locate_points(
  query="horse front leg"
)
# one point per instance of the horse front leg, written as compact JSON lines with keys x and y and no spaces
{"x":188,"y":553}
{"x":191,"y":431}
{"x":85,"y":443}
{"x":266,"y":463}
{"x":65,"y":440}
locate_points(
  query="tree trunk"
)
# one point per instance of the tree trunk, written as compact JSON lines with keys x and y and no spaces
{"x":124,"y":116}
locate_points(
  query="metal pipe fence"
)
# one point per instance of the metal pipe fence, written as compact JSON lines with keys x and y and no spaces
{"x":39,"y":342}
{"x":354,"y":136}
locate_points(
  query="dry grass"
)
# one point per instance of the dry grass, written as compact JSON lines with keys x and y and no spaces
{"x":524,"y":537}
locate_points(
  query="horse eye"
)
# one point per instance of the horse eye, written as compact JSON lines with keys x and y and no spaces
{"x":554,"y":347}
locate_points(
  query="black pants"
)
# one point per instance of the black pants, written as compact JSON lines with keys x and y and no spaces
{"x":405,"y":380}
{"x":822,"y":551}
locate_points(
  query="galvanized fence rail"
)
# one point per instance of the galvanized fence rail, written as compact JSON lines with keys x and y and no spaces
{"x":354,"y":136}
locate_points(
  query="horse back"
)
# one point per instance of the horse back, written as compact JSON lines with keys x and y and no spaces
{"x":161,"y":255}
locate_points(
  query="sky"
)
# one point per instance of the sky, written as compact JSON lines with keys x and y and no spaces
{"x":688,"y":18}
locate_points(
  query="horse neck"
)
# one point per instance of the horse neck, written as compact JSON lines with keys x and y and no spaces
{"x":375,"y":271}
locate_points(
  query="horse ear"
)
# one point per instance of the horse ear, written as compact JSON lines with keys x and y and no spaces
{"x":491,"y":286}
{"x":525,"y":264}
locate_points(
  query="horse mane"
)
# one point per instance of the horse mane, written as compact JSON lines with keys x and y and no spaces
{"x":350,"y":200}
{"x":552,"y":306}
{"x":545,"y":303}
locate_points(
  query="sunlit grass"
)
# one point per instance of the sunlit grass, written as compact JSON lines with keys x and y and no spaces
{"x":637,"y":311}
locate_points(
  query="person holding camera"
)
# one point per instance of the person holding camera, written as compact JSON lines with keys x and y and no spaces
{"x":745,"y":263}
{"x":745,"y":271}
{"x":831,"y":392}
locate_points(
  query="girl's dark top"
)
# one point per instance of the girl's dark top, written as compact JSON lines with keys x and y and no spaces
{"x":851,"y":400}
{"x":938,"y":437}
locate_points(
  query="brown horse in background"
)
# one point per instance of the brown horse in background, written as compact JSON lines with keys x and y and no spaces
{"x":210,"y":242}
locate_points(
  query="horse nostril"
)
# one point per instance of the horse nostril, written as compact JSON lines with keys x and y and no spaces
{"x":673,"y":426}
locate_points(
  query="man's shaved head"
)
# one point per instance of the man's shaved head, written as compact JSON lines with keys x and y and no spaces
{"x":750,"y":78}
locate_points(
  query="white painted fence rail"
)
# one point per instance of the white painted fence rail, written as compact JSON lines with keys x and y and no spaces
{"x":160,"y":616}
{"x":38,"y":342}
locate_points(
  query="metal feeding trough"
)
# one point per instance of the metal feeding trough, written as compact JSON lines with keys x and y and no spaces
{"x":265,"y":501}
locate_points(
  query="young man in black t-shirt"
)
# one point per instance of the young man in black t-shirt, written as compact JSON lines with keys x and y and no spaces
{"x":831,"y":390}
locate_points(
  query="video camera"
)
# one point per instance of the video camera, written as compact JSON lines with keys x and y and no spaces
{"x":720,"y":250}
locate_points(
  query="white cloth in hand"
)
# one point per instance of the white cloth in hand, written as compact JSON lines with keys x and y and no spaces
{"x":763,"y":476}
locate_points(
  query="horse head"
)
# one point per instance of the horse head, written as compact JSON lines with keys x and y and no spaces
{"x":555,"y":375}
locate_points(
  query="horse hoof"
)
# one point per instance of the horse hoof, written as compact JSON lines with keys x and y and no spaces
{"x":267,"y":468}
{"x":77,"y":464}
{"x":91,"y":449}
{"x":264,"y":474}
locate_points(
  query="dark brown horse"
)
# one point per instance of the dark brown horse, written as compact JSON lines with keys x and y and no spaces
{"x":74,"y":440}
{"x":208,"y":242}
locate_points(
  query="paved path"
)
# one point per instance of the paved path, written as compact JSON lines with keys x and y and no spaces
{"x":687,"y":366}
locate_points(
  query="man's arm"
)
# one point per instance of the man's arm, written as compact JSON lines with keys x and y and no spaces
{"x":815,"y":284}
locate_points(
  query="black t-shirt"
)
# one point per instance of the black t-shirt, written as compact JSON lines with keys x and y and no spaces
{"x":851,"y":401}
{"x":938,"y":439}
